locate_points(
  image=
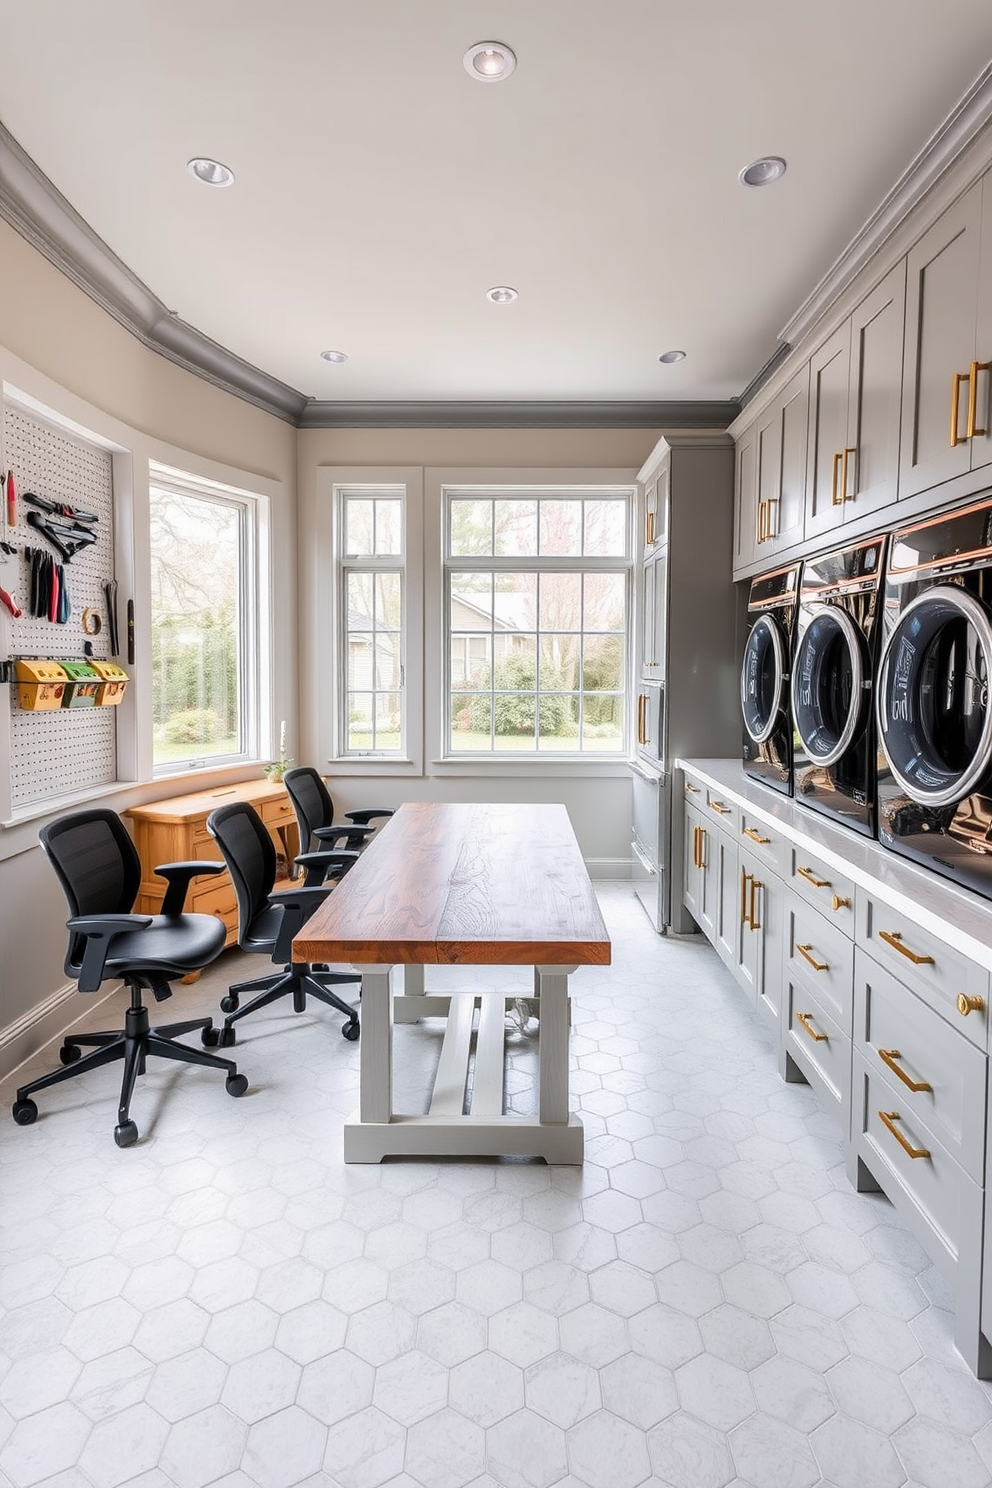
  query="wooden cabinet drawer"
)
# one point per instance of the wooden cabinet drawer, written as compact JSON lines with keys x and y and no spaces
{"x":277,"y":813}
{"x":215,"y":898}
{"x":938,"y":1200}
{"x":947,"y":981}
{"x":721,"y":809}
{"x":905,"y":1042}
{"x":820,"y":1048}
{"x":823,"y":887}
{"x":763,"y":842}
{"x":822,"y":958}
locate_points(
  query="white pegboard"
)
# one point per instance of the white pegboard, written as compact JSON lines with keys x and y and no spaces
{"x":66,"y":751}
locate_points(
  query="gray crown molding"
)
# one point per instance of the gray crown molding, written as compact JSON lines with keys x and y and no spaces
{"x":767,"y":372}
{"x":965,"y":121}
{"x":40,"y":213}
{"x":490,"y":414}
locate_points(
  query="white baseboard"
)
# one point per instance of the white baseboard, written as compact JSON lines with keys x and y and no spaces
{"x":607,"y":868}
{"x":47,"y":1020}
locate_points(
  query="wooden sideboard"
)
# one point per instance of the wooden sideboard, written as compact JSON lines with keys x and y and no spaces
{"x":175,"y":831}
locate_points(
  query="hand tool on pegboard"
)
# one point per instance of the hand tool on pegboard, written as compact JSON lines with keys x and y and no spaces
{"x":110,"y":594}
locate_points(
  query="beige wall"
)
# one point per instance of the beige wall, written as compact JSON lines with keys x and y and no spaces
{"x":60,"y":348}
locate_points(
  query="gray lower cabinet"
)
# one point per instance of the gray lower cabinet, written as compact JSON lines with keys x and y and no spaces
{"x":885,"y":1019}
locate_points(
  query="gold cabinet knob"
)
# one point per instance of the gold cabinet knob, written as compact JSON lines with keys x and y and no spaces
{"x":837,"y":901}
{"x":968,"y":1004}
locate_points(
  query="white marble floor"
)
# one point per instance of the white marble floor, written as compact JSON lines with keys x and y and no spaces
{"x":706,"y":1302}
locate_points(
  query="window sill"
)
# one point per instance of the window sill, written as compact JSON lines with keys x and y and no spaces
{"x":515,"y":766}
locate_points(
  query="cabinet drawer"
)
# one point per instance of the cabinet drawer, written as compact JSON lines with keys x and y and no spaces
{"x":905,"y":1042}
{"x":823,"y":887}
{"x":218,"y":898}
{"x":939,"y":1201}
{"x":821,"y":1049}
{"x":720,"y":808}
{"x":947,"y":981}
{"x":693,"y":789}
{"x":763,"y":842}
{"x":276,"y":813}
{"x":822,"y":958}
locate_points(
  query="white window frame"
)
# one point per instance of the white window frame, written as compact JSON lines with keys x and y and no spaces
{"x":440,"y":484}
{"x":255,"y":613}
{"x":330,"y":681}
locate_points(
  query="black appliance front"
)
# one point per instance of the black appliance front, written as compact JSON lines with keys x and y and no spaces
{"x":932,"y":700}
{"x":765,"y":670}
{"x":838,"y":633}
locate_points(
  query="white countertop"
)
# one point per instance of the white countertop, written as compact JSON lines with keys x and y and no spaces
{"x":954,"y":914}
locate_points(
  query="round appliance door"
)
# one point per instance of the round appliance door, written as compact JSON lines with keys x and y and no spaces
{"x":828,"y":685}
{"x":762,"y":679}
{"x":932,"y":699}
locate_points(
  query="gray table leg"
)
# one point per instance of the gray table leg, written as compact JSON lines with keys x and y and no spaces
{"x":553,"y":984}
{"x":376,"y":1087}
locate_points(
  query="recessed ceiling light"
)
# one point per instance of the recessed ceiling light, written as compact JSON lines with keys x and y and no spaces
{"x":501,"y":294}
{"x":671,"y":356}
{"x":762,"y":172}
{"x":489,"y":61}
{"x":210,"y":172}
{"x":334,"y":356}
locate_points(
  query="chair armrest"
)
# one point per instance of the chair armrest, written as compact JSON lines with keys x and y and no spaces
{"x":179,"y":876}
{"x":370,"y":814}
{"x":319,"y":865}
{"x":99,"y":931}
{"x":351,"y":829}
{"x":297,"y":906}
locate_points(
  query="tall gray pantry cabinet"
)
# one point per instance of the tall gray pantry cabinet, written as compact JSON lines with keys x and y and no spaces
{"x":686,"y":690}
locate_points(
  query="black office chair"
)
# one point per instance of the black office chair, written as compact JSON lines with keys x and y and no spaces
{"x":99,"y":870}
{"x":267,"y":922}
{"x":315,"y":816}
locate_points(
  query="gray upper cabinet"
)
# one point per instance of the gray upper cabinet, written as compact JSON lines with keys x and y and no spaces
{"x":746,"y":500}
{"x":855,"y":384}
{"x":771,"y":476}
{"x":945,"y":414}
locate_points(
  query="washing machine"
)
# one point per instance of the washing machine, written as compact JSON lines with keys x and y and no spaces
{"x":838,"y":637}
{"x":765,"y":671}
{"x":932,"y":698}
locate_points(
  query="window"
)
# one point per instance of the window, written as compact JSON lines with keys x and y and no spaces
{"x":205,"y":597}
{"x":371,"y":563}
{"x":536,"y":601}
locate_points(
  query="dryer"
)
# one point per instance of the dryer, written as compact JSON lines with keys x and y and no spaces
{"x":838,"y":634}
{"x":932,"y":698}
{"x":765,"y":672}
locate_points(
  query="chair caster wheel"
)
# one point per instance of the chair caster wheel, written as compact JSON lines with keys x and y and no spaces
{"x":126,"y":1134}
{"x":226,"y":1037}
{"x":210,"y":1038}
{"x":229,"y":1004}
{"x":237,"y":1084}
{"x":24,"y":1112}
{"x":69,"y":1053}
{"x":350,"y":1031}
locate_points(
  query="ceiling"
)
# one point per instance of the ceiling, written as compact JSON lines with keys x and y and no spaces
{"x":380,"y":191}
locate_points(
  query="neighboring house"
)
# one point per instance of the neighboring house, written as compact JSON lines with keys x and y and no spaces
{"x":473,"y":630}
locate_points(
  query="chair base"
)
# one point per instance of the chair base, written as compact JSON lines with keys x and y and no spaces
{"x":132,"y":1044}
{"x":298,"y":981}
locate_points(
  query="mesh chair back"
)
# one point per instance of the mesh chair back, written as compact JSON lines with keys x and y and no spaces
{"x":97,"y":865}
{"x":250,"y":855}
{"x":311,"y":802}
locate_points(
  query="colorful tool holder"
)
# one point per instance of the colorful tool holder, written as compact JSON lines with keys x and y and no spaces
{"x":83,"y":685}
{"x":111,"y":689}
{"x":41,"y":685}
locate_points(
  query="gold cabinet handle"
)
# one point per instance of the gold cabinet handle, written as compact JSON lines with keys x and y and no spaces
{"x":649,"y":528}
{"x":756,"y":836}
{"x":701,"y":847}
{"x":837,"y":901}
{"x":850,"y":450}
{"x":835,"y":499}
{"x":771,"y":528}
{"x":889,"y":1057}
{"x":642,"y":703}
{"x":887,"y":1118}
{"x":810,"y":877}
{"x":818,"y":1038}
{"x":745,"y":877}
{"x":756,"y":884}
{"x":956,"y":381}
{"x":691,"y":790}
{"x":762,"y":512}
{"x":976,"y":367}
{"x":893,"y":938}
{"x":968,"y":1004}
{"x":720,"y":807}
{"x":804,"y":951}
